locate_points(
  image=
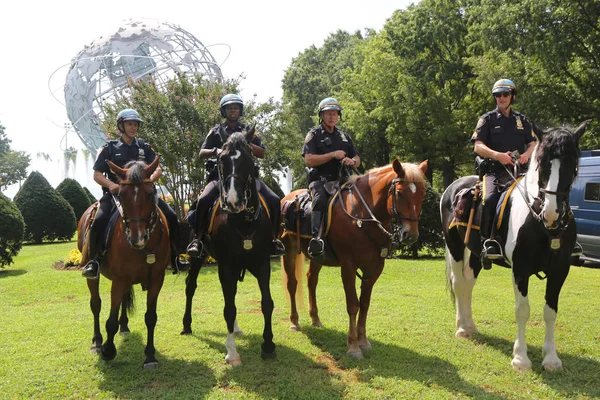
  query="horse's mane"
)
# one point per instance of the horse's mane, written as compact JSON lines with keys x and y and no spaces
{"x":557,"y":143}
{"x":237,"y":141}
{"x":136,"y":171}
{"x":387,"y":173}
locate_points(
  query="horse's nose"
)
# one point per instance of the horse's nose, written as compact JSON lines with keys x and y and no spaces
{"x":408,"y":237}
{"x":550,"y":218}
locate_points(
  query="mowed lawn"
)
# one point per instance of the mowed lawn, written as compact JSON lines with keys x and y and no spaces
{"x":46,"y":331}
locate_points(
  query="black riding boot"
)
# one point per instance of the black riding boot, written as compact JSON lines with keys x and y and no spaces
{"x":490,"y":248}
{"x":316,"y":247}
{"x":92,"y":268}
{"x":195,"y":247}
{"x":277,"y":247}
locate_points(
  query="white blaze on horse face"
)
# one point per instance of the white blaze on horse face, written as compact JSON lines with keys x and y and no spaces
{"x":550,"y":209}
{"x":412,"y":187}
{"x":232,"y":195}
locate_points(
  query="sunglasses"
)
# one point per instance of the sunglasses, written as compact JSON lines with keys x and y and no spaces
{"x":503,"y":94}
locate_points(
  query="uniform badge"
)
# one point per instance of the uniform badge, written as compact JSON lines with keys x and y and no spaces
{"x":519,"y":123}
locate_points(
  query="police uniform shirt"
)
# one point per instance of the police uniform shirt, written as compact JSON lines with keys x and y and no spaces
{"x":501,"y":133}
{"x":215,"y":139}
{"x":319,"y":141}
{"x":121,"y":153}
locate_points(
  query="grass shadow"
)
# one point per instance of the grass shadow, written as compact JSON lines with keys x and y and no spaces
{"x":9,"y":273}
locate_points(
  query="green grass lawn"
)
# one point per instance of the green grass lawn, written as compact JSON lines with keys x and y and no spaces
{"x":46,"y":331}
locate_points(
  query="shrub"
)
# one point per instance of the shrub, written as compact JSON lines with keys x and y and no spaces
{"x":90,"y":195}
{"x":12,"y":228}
{"x":47,"y":215}
{"x":72,"y":191}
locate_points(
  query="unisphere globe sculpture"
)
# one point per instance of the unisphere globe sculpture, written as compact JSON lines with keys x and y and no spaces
{"x":142,"y":49}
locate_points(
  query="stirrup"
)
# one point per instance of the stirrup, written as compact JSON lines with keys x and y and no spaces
{"x":491,"y":244}
{"x":181,"y":264}
{"x":91,"y":270}
{"x":316,"y":247}
{"x":277,"y":248}
{"x":195,"y":248}
{"x":577,"y":250}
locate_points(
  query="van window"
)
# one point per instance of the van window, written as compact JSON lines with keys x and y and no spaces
{"x":592,"y":191}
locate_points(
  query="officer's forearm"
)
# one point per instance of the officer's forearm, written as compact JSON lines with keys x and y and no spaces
{"x":207,"y":153}
{"x":101,"y":179}
{"x":314,"y":160}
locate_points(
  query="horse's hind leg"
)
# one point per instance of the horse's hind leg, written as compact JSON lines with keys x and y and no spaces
{"x":229,"y":287}
{"x":352,"y":307}
{"x":267,"y":347}
{"x":313,"y":279}
{"x":289,"y":267}
{"x":462,"y":279}
{"x":191,"y":283}
{"x":95,"y":306}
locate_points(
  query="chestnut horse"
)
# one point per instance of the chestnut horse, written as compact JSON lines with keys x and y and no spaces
{"x":139,"y":252}
{"x":539,"y":234}
{"x":239,"y":239}
{"x":370,"y":211}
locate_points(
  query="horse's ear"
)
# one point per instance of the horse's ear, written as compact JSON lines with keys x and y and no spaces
{"x":250,"y":134}
{"x":118,"y":171}
{"x":580,"y":129}
{"x":149,"y":170}
{"x":538,"y":132}
{"x":423,"y":166}
{"x":397,"y":165}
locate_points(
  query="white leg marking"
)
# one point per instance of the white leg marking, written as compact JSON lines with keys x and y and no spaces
{"x":551,"y":361}
{"x":462,"y":280}
{"x":520,"y":361}
{"x":232,"y":357}
{"x":236,"y":329}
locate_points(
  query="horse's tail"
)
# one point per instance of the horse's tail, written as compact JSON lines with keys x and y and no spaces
{"x":129,"y":301}
{"x":299,"y":275}
{"x":449,"y":275}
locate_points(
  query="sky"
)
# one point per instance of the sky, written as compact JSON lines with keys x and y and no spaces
{"x":39,"y":39}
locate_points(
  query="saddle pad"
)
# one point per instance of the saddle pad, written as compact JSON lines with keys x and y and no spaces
{"x":289,"y":211}
{"x":501,"y":206}
{"x":213,"y":211}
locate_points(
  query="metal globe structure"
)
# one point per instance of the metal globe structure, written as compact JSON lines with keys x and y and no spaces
{"x":141,"y":49}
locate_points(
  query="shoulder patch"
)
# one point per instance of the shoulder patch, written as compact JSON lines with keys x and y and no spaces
{"x":309,"y":136}
{"x":480,"y":123}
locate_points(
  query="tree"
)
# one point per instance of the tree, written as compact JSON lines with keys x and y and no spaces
{"x":13,"y":164}
{"x":47,"y":215}
{"x":12,"y":227}
{"x":72,"y":191}
{"x":90,"y":196}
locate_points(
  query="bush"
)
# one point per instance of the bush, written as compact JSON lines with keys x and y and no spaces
{"x":92,"y":198}
{"x":47,"y":215}
{"x":72,"y":191}
{"x":73,"y":258}
{"x":12,"y":228}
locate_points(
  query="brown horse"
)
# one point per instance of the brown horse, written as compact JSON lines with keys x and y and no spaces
{"x":139,"y":252}
{"x":370,"y":211}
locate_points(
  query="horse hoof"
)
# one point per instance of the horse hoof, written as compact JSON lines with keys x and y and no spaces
{"x":295,"y":328}
{"x":95,"y":349}
{"x":268,"y":356}
{"x":357,"y":355}
{"x":552,"y":365}
{"x":108,"y":354}
{"x":151,"y":365}
{"x":365,"y":347}
{"x":521,"y":365}
{"x":317,"y":324}
{"x":233,"y":362}
{"x":124,"y":333}
{"x":464,"y":334}
{"x":186,"y":332}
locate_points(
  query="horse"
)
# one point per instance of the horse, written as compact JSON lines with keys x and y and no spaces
{"x":539,"y":232}
{"x":239,"y":239}
{"x":370,"y":212}
{"x":139,"y":252}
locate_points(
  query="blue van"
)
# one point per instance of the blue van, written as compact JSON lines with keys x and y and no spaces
{"x":585,"y":203}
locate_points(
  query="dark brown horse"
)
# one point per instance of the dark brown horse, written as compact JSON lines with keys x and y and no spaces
{"x":139,"y":252}
{"x":371,"y":210}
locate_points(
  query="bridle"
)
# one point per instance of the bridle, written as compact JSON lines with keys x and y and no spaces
{"x":247,"y":181}
{"x":151,"y":222}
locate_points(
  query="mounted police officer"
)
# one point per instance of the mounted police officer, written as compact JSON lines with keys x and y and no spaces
{"x":498,"y":135}
{"x":232,"y":108}
{"x":127,"y":148}
{"x":326,"y":149}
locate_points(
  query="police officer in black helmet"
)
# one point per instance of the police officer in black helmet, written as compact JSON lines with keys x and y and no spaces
{"x":232,"y":108}
{"x":326,"y":148}
{"x":127,"y":148}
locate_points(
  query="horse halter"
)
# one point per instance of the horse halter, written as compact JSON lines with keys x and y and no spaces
{"x":394,"y":192}
{"x":247,"y":192}
{"x":151,"y":222}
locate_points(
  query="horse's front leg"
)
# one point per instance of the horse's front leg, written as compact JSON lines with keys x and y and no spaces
{"x":151,"y":317}
{"x":191,"y":283}
{"x":520,"y":361}
{"x":289,"y":266}
{"x":554,"y":285}
{"x":313,"y":279}
{"x":124,"y":320}
{"x":229,"y":288}
{"x":95,"y":306}
{"x":366,"y":289}
{"x":108,"y":350}
{"x":352,"y":307}
{"x":461,"y":275}
{"x":267,"y":306}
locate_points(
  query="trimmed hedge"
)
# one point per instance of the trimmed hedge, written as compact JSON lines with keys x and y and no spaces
{"x":48,"y":216}
{"x":12,"y":227}
{"x":92,"y":198}
{"x":72,"y":191}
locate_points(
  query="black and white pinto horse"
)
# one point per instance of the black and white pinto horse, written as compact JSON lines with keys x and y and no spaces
{"x":539,"y":231}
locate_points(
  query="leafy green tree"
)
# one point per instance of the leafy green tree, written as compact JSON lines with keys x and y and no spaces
{"x":72,"y":191}
{"x":47,"y":215}
{"x":13,"y":164}
{"x":12,"y":227}
{"x":90,"y":195}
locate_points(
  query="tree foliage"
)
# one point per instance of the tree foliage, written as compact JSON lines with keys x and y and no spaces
{"x":72,"y":191}
{"x":13,"y":164}
{"x":12,"y":228}
{"x":47,"y":215}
